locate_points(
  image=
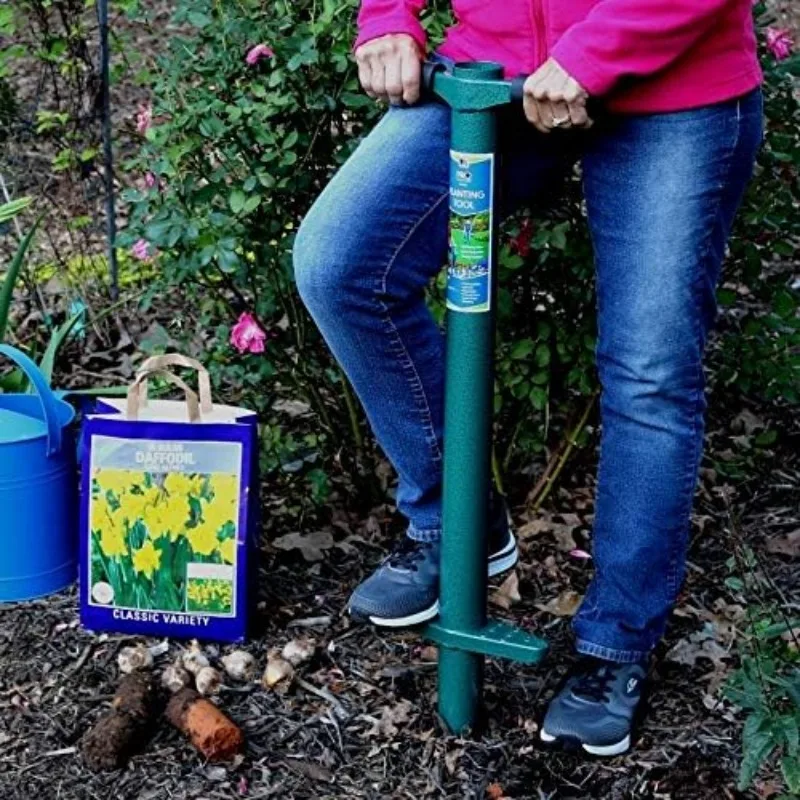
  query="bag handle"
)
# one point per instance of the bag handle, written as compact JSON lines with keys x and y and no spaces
{"x":178,"y":360}
{"x":46,"y":397}
{"x":135,"y":395}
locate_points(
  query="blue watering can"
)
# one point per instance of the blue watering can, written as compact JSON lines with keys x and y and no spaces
{"x":38,"y":489}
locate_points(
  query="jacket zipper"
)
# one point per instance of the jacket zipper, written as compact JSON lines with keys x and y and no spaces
{"x":540,"y":33}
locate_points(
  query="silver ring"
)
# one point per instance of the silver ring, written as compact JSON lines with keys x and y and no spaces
{"x":560,"y":122}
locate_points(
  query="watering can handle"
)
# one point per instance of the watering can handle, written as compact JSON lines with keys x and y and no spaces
{"x":134,"y":393}
{"x":46,"y":396}
{"x":178,"y":360}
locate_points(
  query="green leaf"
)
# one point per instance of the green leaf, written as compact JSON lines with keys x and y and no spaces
{"x":10,"y":210}
{"x":228,"y":259}
{"x":199,"y":20}
{"x":791,"y":733}
{"x":156,"y":232}
{"x":252,"y":203}
{"x":237,"y":200}
{"x":542,"y":355}
{"x":14,"y":268}
{"x":790,"y":767}
{"x":766,"y":438}
{"x":783,"y":304}
{"x":538,"y":398}
{"x":58,"y":338}
{"x":757,"y":749}
{"x":522,"y":349}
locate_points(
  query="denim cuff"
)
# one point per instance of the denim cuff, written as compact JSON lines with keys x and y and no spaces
{"x":609,"y":653}
{"x":426,"y":535}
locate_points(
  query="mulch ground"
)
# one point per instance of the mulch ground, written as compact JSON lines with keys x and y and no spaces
{"x":360,"y":718}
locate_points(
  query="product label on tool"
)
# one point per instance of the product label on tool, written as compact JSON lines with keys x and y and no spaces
{"x":469,"y":266}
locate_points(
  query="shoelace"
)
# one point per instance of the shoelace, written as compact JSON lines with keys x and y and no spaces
{"x":407,"y":555}
{"x":594,"y":683}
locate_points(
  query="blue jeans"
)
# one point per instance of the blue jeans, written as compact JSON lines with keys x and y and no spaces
{"x":661,"y":193}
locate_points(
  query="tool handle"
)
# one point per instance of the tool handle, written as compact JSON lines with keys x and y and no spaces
{"x":47,"y":399}
{"x":518,"y":88}
{"x":429,"y":70}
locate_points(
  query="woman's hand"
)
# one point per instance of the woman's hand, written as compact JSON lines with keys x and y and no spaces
{"x":389,"y":68}
{"x":554,"y":99}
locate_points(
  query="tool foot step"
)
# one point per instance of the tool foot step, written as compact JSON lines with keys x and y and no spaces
{"x":496,"y":638}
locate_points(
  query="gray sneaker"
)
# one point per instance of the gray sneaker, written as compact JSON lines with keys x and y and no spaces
{"x":596,"y":707}
{"x":404,"y":590}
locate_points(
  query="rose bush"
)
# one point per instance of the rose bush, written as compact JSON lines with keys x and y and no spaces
{"x":253,"y":109}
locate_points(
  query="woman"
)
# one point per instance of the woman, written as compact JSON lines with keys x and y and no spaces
{"x":664,"y":170}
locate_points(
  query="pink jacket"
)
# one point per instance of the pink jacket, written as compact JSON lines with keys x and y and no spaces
{"x":642,"y":55}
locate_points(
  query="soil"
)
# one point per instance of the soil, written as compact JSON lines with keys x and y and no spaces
{"x":359,"y":719}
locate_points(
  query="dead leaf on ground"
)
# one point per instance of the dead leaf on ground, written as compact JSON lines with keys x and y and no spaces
{"x":311,"y":545}
{"x":429,"y":653}
{"x":391,"y":717}
{"x":699,"y":645}
{"x":292,"y":408}
{"x":787,"y":545}
{"x":792,"y":637}
{"x":565,"y":541}
{"x":308,"y":769}
{"x":507,"y":594}
{"x":533,"y":528}
{"x":748,"y":422}
{"x":451,"y":760}
{"x":565,"y":605}
{"x":562,"y":531}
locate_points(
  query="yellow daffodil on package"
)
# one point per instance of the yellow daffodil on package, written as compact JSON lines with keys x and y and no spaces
{"x":143,"y":525}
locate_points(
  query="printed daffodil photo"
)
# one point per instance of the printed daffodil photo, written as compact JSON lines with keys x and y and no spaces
{"x":164,"y":542}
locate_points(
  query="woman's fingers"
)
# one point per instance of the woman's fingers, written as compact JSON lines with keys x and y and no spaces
{"x":411,"y":77}
{"x":533,"y":112}
{"x":393,"y":81}
{"x":561,"y":116}
{"x":553,"y":99}
{"x":389,"y":68}
{"x":378,"y":72}
{"x":365,"y":76}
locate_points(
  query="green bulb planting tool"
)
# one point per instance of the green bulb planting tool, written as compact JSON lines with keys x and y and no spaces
{"x":474,"y":92}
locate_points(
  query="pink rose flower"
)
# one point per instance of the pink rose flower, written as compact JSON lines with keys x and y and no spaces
{"x":144,"y":119}
{"x":779,"y":43}
{"x":150,"y":180}
{"x":141,"y":251}
{"x":247,"y":336}
{"x":255,"y":54}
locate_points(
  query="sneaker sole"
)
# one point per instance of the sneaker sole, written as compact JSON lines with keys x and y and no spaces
{"x":606,"y":751}
{"x":409,"y":621}
{"x":505,"y":559}
{"x":499,"y":562}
